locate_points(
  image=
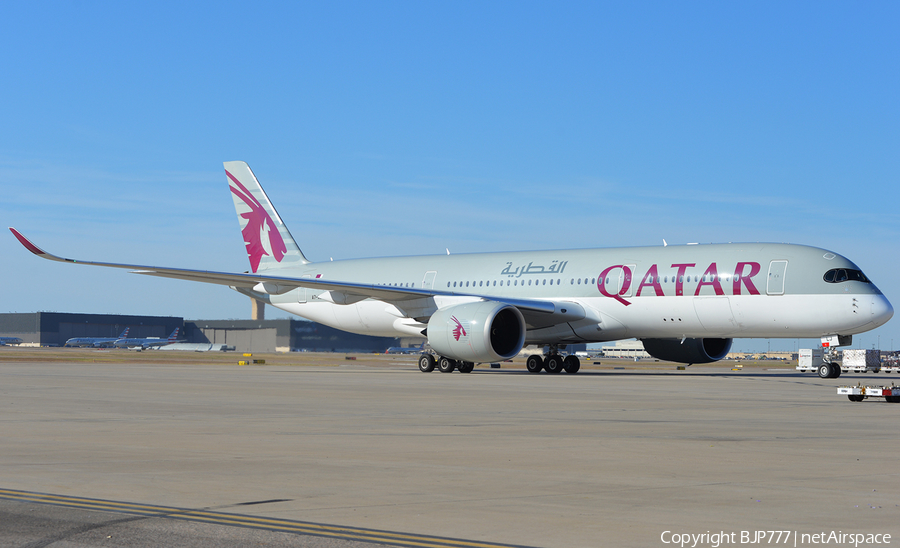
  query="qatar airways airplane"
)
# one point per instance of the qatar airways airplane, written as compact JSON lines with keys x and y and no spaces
{"x":685,"y":303}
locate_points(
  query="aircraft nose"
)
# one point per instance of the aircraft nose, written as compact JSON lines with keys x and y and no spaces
{"x":882,"y":311}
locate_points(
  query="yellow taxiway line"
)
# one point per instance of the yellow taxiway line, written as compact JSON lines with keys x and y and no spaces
{"x":241,"y":520}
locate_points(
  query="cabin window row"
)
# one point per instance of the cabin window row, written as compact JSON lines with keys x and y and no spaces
{"x":832,"y":276}
{"x":514,"y":283}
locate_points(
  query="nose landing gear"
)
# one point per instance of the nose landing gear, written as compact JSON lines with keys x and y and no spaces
{"x":829,"y":370}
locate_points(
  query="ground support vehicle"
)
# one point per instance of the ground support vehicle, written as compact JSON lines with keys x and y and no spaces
{"x":823,"y":362}
{"x":859,"y":393}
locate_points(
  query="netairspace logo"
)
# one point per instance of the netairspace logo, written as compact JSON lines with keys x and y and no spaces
{"x":773,"y":538}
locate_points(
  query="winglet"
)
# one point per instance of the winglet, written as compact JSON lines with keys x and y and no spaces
{"x":33,"y":248}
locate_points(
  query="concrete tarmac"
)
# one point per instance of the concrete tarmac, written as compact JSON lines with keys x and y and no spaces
{"x":601,"y":458}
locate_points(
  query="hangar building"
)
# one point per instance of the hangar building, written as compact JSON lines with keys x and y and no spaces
{"x":282,"y":336}
{"x":55,"y":328}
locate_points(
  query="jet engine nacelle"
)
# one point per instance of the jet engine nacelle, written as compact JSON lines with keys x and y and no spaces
{"x":485,"y":331}
{"x":690,"y":351}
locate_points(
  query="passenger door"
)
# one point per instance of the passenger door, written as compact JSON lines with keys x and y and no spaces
{"x":775,"y":281}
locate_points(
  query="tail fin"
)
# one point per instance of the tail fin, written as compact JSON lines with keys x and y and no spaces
{"x":268,"y":240}
{"x":174,"y":336}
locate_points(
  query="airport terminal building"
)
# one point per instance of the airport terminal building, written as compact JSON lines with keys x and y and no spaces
{"x":55,"y":328}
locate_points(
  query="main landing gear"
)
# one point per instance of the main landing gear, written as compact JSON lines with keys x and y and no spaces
{"x":553,"y":363}
{"x":427,"y":363}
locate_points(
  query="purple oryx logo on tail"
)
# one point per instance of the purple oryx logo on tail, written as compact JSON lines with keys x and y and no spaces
{"x":258,"y":223}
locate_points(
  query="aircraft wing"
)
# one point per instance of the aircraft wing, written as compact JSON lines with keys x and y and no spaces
{"x":536,"y":312}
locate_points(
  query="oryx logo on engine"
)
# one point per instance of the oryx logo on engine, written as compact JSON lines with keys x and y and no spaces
{"x":459,"y":330}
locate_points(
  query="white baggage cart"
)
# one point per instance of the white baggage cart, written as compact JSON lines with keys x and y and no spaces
{"x":861,"y":361}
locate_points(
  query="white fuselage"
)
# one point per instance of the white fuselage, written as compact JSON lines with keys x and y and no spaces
{"x":723,"y":291}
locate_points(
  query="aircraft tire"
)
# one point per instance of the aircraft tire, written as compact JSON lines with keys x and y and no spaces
{"x":553,"y":364}
{"x":571,"y":364}
{"x":466,"y":367}
{"x":534,"y":364}
{"x":426,"y":363}
{"x":824,"y":371}
{"x":836,"y":367}
{"x":446,"y":365}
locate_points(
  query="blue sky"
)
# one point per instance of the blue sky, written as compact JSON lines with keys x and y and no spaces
{"x":397,"y":128}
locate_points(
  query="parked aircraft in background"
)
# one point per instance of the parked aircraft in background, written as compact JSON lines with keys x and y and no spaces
{"x":405,"y":349}
{"x":148,"y":342}
{"x":4,"y":341}
{"x":685,"y":303}
{"x":96,"y":342}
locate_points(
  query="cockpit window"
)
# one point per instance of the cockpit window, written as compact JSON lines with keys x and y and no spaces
{"x":838,"y":275}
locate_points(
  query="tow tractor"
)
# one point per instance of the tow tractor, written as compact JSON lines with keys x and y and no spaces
{"x":857,"y":393}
